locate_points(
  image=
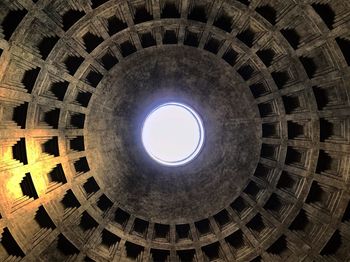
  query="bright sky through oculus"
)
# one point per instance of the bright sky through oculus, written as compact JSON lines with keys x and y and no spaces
{"x":173,"y":134}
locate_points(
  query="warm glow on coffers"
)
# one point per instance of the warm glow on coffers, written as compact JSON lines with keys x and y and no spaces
{"x":38,"y":173}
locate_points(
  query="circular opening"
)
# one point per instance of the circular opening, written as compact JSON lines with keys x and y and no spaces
{"x":173,"y":134}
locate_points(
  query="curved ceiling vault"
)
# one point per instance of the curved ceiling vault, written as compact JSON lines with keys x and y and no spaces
{"x":271,"y":81}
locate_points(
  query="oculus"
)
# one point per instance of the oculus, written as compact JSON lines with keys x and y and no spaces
{"x":173,"y":134}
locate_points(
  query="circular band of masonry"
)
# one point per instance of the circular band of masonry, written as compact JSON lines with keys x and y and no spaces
{"x":289,"y":61}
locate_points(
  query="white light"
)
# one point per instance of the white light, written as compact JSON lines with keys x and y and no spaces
{"x":173,"y":134}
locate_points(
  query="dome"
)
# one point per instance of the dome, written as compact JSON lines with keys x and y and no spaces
{"x":266,"y":83}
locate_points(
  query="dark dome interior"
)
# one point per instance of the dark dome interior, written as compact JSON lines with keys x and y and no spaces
{"x":271,"y":81}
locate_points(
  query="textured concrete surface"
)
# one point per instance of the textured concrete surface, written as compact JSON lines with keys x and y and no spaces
{"x":231,"y":146}
{"x":270,"y":79}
